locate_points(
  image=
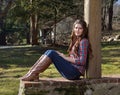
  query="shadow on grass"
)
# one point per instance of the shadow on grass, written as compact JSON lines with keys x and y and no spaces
{"x":111,"y":53}
{"x":109,"y":44}
{"x":23,"y":56}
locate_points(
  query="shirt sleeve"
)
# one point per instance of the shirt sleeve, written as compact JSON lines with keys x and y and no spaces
{"x":83,"y":49}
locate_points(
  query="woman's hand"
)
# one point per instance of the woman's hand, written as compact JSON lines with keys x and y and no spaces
{"x":65,"y":57}
{"x":61,"y":54}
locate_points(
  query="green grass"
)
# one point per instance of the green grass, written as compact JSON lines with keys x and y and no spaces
{"x":15,"y":62}
{"x":111,"y":58}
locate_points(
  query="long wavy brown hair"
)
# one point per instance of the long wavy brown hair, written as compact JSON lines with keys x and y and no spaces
{"x":75,"y":41}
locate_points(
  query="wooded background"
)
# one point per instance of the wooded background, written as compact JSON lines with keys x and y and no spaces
{"x":21,"y":20}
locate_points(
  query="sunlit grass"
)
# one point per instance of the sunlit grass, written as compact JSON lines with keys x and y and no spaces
{"x":111,"y":58}
{"x":9,"y":86}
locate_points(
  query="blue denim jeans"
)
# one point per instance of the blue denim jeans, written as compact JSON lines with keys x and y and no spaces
{"x":65,"y":68}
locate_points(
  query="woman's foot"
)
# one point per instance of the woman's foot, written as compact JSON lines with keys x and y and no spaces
{"x":32,"y":77}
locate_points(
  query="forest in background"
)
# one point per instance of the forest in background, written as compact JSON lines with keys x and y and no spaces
{"x":21,"y":20}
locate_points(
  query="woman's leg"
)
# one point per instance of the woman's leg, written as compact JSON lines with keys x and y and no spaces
{"x":65,"y":68}
{"x":41,"y":65}
{"x":33,"y":67}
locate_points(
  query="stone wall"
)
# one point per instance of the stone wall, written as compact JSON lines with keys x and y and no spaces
{"x":103,"y":86}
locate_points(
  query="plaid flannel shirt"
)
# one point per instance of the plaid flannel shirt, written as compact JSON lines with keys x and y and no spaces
{"x":80,"y":61}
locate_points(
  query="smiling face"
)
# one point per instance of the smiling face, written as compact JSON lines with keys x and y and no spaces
{"x":78,"y":30}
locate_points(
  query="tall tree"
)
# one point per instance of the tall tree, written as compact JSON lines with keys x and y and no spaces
{"x":35,"y":13}
{"x":4,"y":8}
{"x":107,"y":14}
{"x":33,"y":26}
{"x":41,"y":11}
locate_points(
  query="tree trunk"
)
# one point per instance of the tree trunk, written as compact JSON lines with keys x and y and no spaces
{"x":28,"y":37}
{"x":2,"y":32}
{"x":110,"y":15}
{"x":92,"y":15}
{"x":3,"y":38}
{"x":104,"y":17}
{"x":33,"y":30}
{"x":3,"y":13}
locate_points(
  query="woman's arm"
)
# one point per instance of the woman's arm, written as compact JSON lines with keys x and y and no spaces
{"x":83,"y":50}
{"x":69,"y":59}
{"x":66,"y":57}
{"x":81,"y":59}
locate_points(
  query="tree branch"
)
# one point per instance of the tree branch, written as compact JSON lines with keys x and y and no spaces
{"x":6,"y":9}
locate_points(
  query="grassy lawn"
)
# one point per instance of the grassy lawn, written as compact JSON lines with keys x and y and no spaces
{"x":15,"y":62}
{"x":111,"y":58}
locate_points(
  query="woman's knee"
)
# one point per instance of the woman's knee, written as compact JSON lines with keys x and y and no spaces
{"x":50,"y":53}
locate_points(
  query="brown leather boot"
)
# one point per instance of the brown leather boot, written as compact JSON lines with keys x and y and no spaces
{"x":32,"y":67}
{"x":42,"y":65}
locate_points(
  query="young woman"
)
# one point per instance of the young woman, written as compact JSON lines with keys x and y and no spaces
{"x":70,"y":67}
